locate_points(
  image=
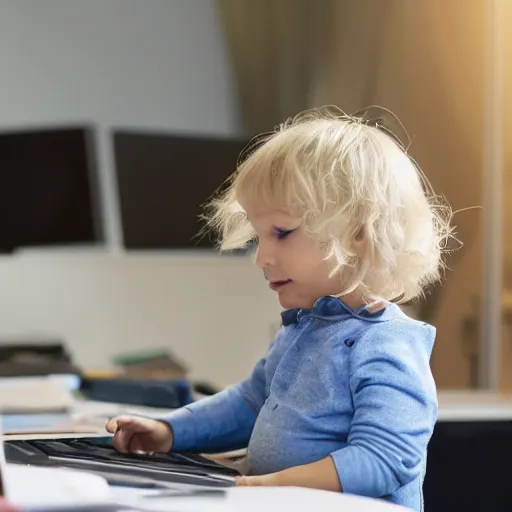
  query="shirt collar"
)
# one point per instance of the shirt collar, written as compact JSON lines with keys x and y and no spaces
{"x":332,"y":308}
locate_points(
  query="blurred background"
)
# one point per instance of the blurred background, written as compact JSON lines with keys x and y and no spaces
{"x":118,"y":118}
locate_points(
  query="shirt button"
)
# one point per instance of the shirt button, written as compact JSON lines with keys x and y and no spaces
{"x":297,"y":348}
{"x":274,"y":407}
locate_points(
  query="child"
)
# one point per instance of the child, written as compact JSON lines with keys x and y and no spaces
{"x":344,"y":400}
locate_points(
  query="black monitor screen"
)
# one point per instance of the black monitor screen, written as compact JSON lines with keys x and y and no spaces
{"x":48,"y":194}
{"x":164,"y":180}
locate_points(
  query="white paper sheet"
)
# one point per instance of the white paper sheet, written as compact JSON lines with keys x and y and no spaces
{"x":30,"y":486}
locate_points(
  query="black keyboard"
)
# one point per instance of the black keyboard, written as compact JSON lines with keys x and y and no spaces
{"x":98,"y":456}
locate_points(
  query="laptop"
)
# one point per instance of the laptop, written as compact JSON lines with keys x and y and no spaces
{"x":97,"y":455}
{"x":200,"y":477}
{"x":30,"y":479}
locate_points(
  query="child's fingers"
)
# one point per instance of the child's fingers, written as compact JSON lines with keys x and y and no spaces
{"x":112,"y":425}
{"x":122,"y":439}
{"x":122,"y":433}
{"x":130,"y":433}
{"x":250,"y":481}
{"x":242,"y":481}
{"x":137,"y":445}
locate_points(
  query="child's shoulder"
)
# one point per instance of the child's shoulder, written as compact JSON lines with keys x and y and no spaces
{"x":396,"y":335}
{"x":394,"y":321}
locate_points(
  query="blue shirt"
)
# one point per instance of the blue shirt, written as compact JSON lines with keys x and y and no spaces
{"x":350,"y":384}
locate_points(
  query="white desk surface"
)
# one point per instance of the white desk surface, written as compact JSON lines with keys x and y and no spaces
{"x":51,"y":487}
{"x":267,"y":499}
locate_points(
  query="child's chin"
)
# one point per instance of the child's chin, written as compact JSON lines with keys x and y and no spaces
{"x":288,"y":302}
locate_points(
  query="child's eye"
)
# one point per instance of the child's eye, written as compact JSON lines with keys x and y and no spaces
{"x":283,"y":233}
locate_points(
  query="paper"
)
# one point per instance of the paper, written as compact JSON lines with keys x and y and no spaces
{"x":29,"y":486}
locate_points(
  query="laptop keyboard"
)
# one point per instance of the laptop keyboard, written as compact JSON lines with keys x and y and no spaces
{"x":97,"y":454}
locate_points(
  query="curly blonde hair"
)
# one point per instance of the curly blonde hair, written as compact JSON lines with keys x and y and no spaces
{"x":345,"y":176}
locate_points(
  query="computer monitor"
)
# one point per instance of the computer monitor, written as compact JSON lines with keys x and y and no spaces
{"x":163,"y":180}
{"x":49,"y":191}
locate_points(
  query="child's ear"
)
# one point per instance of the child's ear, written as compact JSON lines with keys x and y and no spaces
{"x":359,"y":240}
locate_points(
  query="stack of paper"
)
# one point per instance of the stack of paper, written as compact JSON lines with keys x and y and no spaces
{"x":34,"y":395}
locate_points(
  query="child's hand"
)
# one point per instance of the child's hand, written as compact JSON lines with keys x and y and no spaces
{"x":271,"y":480}
{"x":133,"y":434}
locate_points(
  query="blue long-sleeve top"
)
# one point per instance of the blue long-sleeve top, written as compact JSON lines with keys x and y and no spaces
{"x":350,"y":384}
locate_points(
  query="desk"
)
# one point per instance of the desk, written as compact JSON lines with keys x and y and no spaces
{"x":233,"y":499}
{"x":468,"y":462}
{"x":52,"y":486}
{"x":258,"y":499}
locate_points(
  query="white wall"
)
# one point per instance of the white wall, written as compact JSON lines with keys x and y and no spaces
{"x":137,"y":63}
{"x":154,"y":63}
{"x":133,"y":63}
{"x":214,"y":312}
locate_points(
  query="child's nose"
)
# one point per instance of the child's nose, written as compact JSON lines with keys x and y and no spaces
{"x":264,"y":256}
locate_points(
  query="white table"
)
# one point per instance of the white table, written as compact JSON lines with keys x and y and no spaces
{"x":267,"y":499}
{"x":65,"y":488}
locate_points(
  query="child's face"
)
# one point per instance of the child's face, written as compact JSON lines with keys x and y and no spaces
{"x":292,"y":262}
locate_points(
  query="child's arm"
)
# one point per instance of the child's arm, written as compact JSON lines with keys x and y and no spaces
{"x":395,"y":405}
{"x":395,"y":412}
{"x":318,"y":475}
{"x":221,"y":422}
